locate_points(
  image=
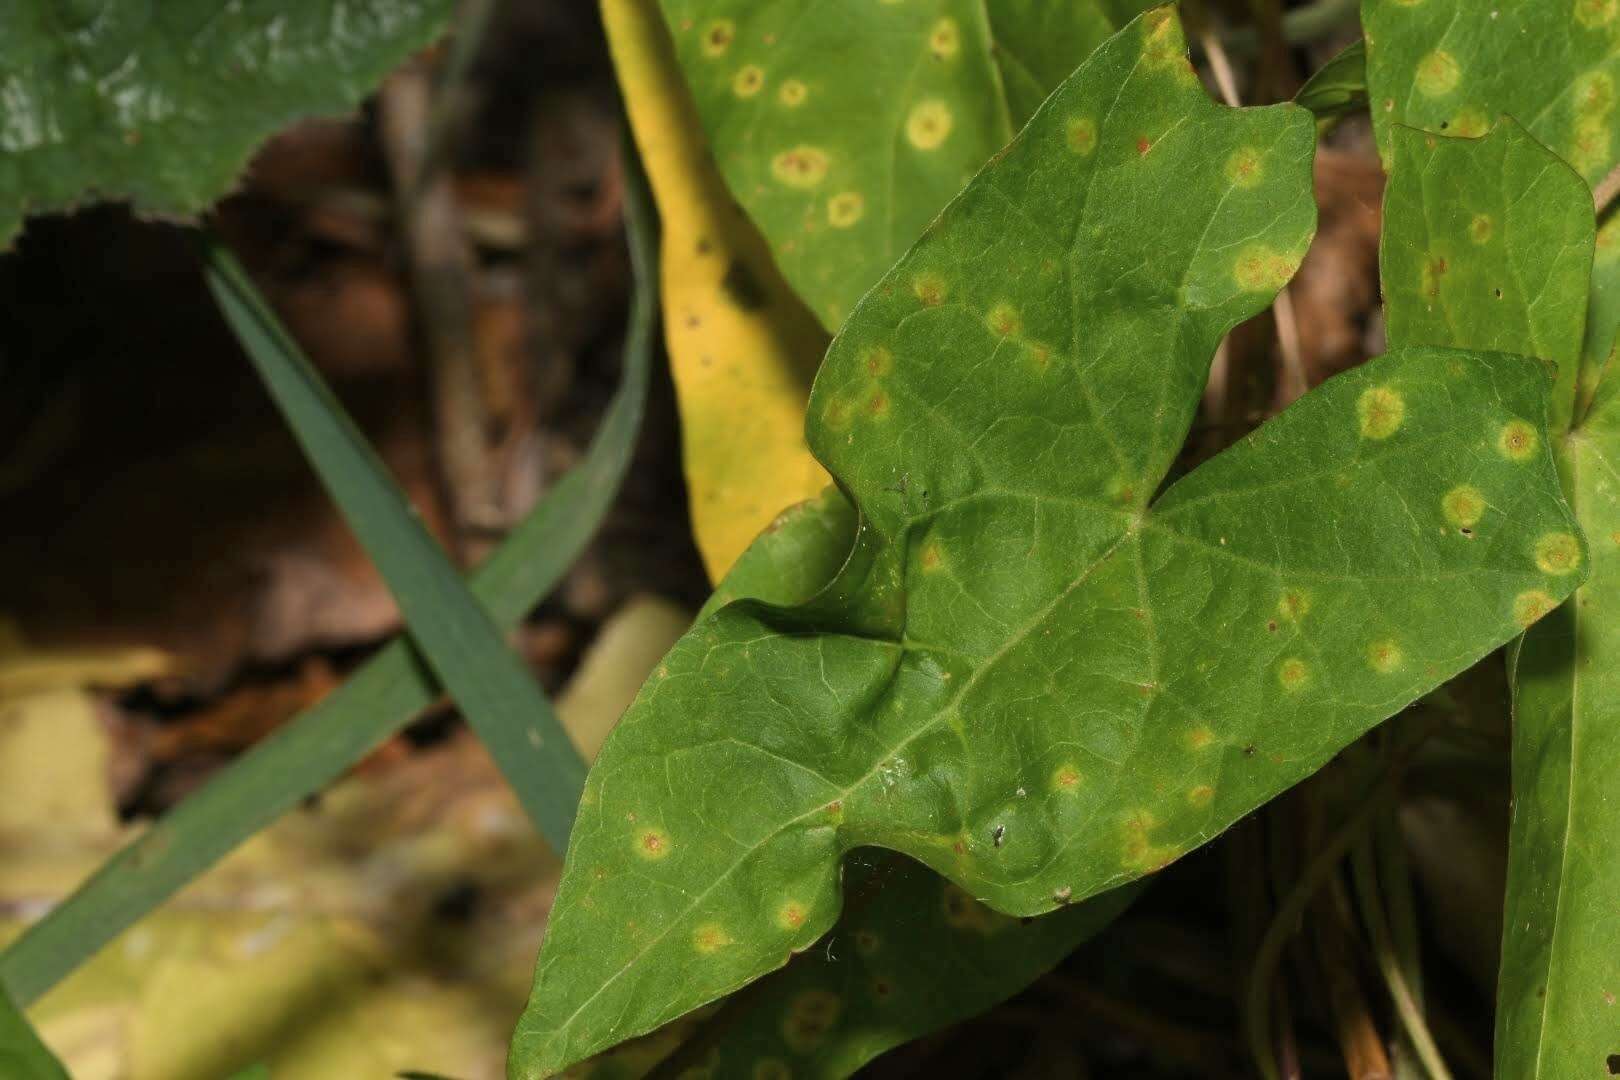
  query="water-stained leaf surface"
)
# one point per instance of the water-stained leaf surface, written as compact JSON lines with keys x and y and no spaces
{"x":1515,"y":222}
{"x":843,"y":126}
{"x":1030,"y":675}
{"x":161,"y":103}
{"x":742,"y":348}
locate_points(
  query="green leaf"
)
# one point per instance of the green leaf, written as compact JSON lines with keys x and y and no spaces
{"x":381,"y":697}
{"x":161,"y":103}
{"x":22,"y":1055}
{"x":1493,"y":250}
{"x":844,"y":126}
{"x":1560,"y":952}
{"x":456,"y":636}
{"x":911,"y":958}
{"x":1023,"y":676}
{"x":1560,"y":966}
{"x":1453,"y":67}
{"x":911,"y":953}
{"x":1339,"y":88}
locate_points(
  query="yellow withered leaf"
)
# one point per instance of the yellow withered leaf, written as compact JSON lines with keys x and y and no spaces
{"x":743,"y":349}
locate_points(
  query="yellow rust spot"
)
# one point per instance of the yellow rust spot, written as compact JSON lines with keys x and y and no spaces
{"x":1200,"y":738}
{"x":1140,"y":851}
{"x":1470,"y":122}
{"x":845,"y":209}
{"x":1293,"y":673}
{"x":1463,"y":506}
{"x":710,"y":938}
{"x":963,"y":912}
{"x":930,"y":289}
{"x":1201,"y":795}
{"x":1531,"y":605}
{"x":717,"y":37}
{"x":877,"y":404}
{"x":1558,"y":553}
{"x":944,"y":40}
{"x":1437,"y":74}
{"x":931,"y":558}
{"x":1380,"y":410}
{"x":1243,"y":167}
{"x":1004,"y":320}
{"x":1590,"y":149}
{"x":867,"y":943}
{"x":811,"y":1017}
{"x":652,"y":843}
{"x":1293,"y":604}
{"x":800,"y":167}
{"x":1385,"y":657}
{"x":1481,"y":228}
{"x":1262,"y":269}
{"x":748,"y":81}
{"x":1517,"y":441}
{"x":1082,"y":135}
{"x":1595,"y":13}
{"x":1039,"y":354}
{"x":792,"y":93}
{"x":1163,"y":44}
{"x":791,"y":915}
{"x":1594,"y":93}
{"x":1066,"y":779}
{"x":878,"y":361}
{"x":929,"y":124}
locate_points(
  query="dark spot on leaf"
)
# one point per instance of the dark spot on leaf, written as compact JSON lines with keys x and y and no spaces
{"x":1614,"y":1064}
{"x":997,"y":834}
{"x":1499,"y":294}
{"x":743,"y":287}
{"x":1272,"y":626}
{"x":1250,"y":751}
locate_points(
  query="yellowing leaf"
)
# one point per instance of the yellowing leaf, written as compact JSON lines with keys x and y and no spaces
{"x":743,"y":350}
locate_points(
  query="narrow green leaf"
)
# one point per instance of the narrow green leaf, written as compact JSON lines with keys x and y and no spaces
{"x":254,"y":1072}
{"x":161,"y":104}
{"x":1023,"y":676}
{"x":456,"y":636}
{"x":1560,"y":968}
{"x":22,"y":1055}
{"x":1339,"y":88}
{"x":316,"y":747}
{"x":844,"y":126}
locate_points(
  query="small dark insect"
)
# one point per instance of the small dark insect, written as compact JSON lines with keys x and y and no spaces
{"x":997,"y":834}
{"x":1250,"y":751}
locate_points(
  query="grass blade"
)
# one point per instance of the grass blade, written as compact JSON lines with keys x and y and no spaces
{"x":379,"y":699}
{"x":23,"y":1056}
{"x":457,"y":637}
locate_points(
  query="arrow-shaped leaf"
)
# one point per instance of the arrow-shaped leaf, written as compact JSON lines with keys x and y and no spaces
{"x":1029,"y":675}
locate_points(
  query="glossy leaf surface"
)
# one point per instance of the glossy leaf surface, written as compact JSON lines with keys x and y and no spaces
{"x":844,"y":126}
{"x":1339,"y":87}
{"x":1523,"y":286}
{"x":161,"y":103}
{"x":1024,"y":676}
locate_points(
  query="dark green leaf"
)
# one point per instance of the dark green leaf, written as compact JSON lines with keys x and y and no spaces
{"x":383,"y":696}
{"x":1339,"y":88}
{"x":161,"y":103}
{"x":1506,"y":210}
{"x":844,"y":126}
{"x":1023,"y":676}
{"x":456,"y":636}
{"x":22,"y":1055}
